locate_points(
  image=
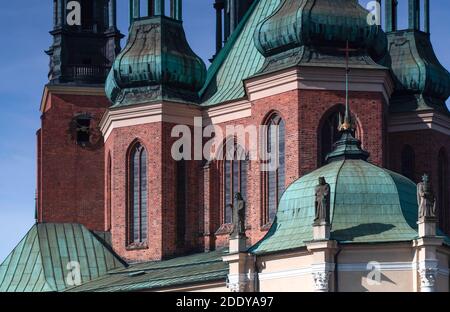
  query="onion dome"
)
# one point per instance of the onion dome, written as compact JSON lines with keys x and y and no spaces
{"x":368,"y":204}
{"x":319,"y":25}
{"x":156,"y":64}
{"x":421,"y":81}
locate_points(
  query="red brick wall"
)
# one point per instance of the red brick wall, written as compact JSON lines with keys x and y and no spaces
{"x":426,"y":145}
{"x":70,"y":178}
{"x":162,"y":242}
{"x":70,"y":173}
{"x":169,"y":189}
{"x":302,"y":112}
{"x":118,"y":143}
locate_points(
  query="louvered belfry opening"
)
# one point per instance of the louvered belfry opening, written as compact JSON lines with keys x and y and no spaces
{"x":155,"y":8}
{"x":229,"y":14}
{"x":414,"y":15}
{"x":83,"y":48}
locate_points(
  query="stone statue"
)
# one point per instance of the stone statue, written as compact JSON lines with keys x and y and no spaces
{"x":238,"y":216}
{"x":322,"y":203}
{"x":425,"y":199}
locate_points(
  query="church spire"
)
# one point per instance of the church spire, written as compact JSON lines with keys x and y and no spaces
{"x":85,"y":41}
{"x":422,"y":83}
{"x":157,"y":63}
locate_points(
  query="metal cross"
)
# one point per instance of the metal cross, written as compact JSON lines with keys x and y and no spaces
{"x":347,"y":51}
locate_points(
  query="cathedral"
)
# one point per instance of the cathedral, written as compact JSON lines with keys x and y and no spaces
{"x":353,"y":115}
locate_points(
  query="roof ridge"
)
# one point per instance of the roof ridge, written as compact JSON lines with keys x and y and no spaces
{"x":23,"y":243}
{"x":335,"y":193}
{"x":45,"y":277}
{"x":127,"y":270}
{"x":223,"y":53}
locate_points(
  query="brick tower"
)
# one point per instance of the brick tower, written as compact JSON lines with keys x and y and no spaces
{"x":419,"y":131}
{"x":70,"y":146}
{"x":153,"y":86}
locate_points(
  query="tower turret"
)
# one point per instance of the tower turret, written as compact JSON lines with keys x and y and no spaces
{"x":70,"y":145}
{"x":157,"y":75}
{"x":85,"y":41}
{"x":157,"y":62}
{"x":229,"y":14}
{"x":310,"y":31}
{"x":419,"y":118}
{"x":422,"y":83}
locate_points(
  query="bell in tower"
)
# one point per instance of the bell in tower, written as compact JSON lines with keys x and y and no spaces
{"x":85,"y":41}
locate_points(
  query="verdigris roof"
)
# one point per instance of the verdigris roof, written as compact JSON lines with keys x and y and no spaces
{"x":181,"y":271}
{"x":275,"y":35}
{"x":422,"y":83}
{"x":39,"y":263}
{"x":368,"y":204}
{"x":157,"y":63}
{"x":239,"y":58}
{"x":319,"y":24}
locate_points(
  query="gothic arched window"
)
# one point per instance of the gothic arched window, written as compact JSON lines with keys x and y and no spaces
{"x":408,"y":162}
{"x":329,"y":133}
{"x":274,"y":178}
{"x":138,"y":195}
{"x":235,"y":167}
{"x":442,"y":196}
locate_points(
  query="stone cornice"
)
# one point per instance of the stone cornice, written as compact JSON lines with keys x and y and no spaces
{"x":347,"y":267}
{"x":427,"y":120}
{"x":148,"y":113}
{"x":227,"y":112}
{"x":320,"y":78}
{"x":69,"y":89}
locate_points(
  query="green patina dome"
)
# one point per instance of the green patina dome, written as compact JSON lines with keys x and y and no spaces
{"x":369,"y":204}
{"x":417,"y":72}
{"x":157,"y":63}
{"x":320,"y":24}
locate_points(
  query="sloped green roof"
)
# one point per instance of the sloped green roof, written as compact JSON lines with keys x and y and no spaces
{"x":319,"y":24}
{"x":368,"y":205}
{"x":157,"y":63}
{"x":39,"y":262}
{"x":421,"y":82}
{"x":238,"y":60}
{"x":187,"y":270}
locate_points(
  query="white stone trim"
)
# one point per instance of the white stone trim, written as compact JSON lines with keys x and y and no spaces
{"x":342,"y":267}
{"x":427,"y":276}
{"x":176,"y":113}
{"x":297,"y":272}
{"x":320,"y":78}
{"x":227,"y":112}
{"x":419,"y":121}
{"x":321,"y":281}
{"x":384,"y":266}
{"x":245,"y":276}
{"x":320,"y":267}
{"x":435,"y":265}
{"x":284,"y":274}
{"x":67,"y":89}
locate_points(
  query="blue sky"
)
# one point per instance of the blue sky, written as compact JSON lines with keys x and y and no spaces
{"x":23,"y":74}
